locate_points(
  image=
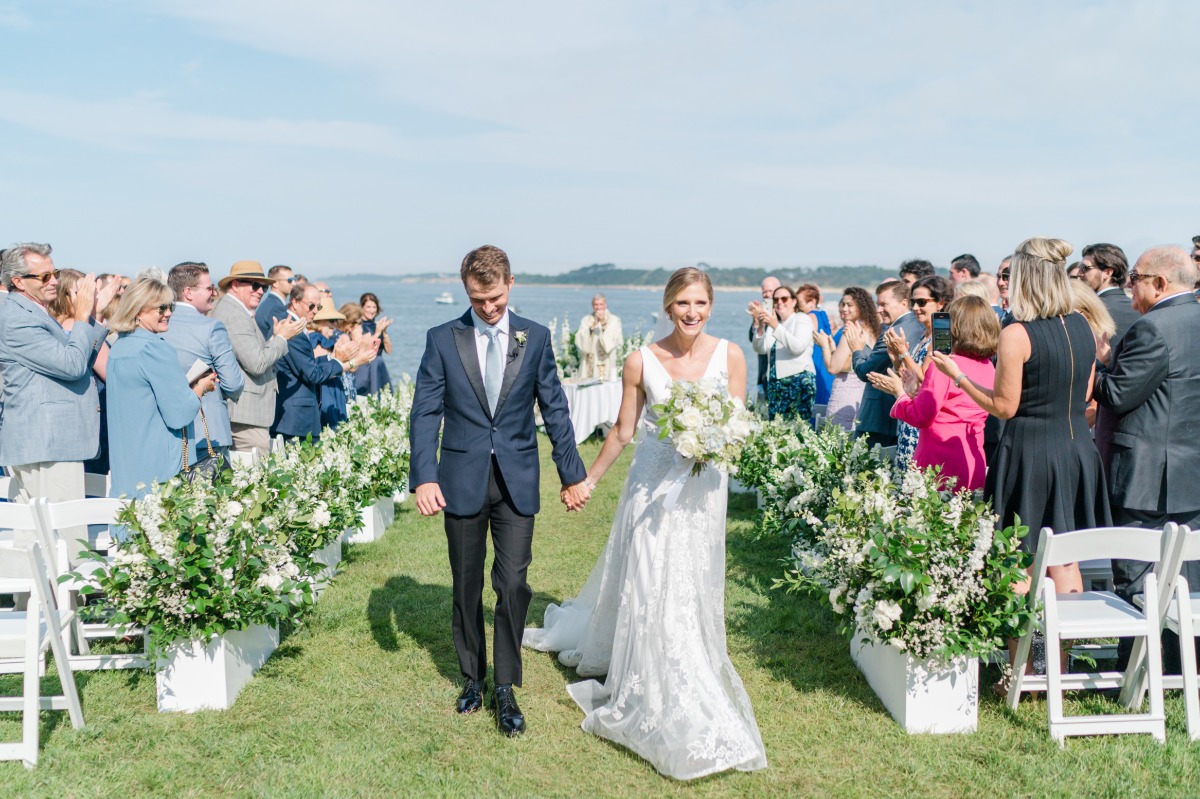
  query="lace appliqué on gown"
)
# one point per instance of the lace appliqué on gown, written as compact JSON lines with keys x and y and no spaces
{"x":651,"y":617}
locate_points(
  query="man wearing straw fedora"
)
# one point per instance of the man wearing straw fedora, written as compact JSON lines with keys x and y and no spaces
{"x":252,"y":414}
{"x":300,"y":374}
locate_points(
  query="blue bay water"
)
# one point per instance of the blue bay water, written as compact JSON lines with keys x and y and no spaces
{"x":413,"y":308}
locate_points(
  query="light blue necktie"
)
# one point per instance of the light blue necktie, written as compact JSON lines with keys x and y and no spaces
{"x":494,"y":375}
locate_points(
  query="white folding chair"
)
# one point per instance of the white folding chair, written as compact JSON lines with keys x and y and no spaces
{"x":1094,"y":614}
{"x":14,"y":516}
{"x":53,"y":517}
{"x":24,"y":638}
{"x":1179,"y":609}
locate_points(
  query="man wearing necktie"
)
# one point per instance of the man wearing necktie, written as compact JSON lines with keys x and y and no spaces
{"x":479,"y":379}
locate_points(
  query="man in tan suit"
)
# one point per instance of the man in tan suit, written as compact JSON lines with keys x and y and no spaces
{"x":253,"y":413}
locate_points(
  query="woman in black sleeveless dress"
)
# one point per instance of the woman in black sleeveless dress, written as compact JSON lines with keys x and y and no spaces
{"x":1046,"y":470}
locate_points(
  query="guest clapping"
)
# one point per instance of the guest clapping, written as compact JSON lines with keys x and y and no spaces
{"x":1046,"y":469}
{"x":372,"y":378}
{"x":856,"y":309}
{"x":300,"y":374}
{"x":150,"y":403}
{"x":950,"y":424}
{"x":929,"y":295}
{"x":51,"y":413}
{"x":787,"y":338}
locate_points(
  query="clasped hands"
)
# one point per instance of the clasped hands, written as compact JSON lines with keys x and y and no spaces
{"x":905,"y":382}
{"x":576,"y":497}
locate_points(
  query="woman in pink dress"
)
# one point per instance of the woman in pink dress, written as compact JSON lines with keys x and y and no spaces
{"x":950,"y":423}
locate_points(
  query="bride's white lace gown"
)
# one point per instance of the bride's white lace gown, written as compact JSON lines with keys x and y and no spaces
{"x":652,"y":617}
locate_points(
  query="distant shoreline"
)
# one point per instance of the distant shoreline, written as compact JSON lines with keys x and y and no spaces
{"x":602,"y":287}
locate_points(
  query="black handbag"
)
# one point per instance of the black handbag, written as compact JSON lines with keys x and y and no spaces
{"x":206,"y":469}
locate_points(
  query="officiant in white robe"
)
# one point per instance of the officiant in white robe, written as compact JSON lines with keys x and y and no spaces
{"x":599,"y":342}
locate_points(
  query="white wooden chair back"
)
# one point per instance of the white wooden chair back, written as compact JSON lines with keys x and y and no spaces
{"x":37,"y":628}
{"x":1097,"y":614}
{"x":53,"y":517}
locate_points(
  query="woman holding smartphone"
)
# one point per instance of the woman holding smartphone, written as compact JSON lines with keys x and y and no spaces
{"x":949,"y":422}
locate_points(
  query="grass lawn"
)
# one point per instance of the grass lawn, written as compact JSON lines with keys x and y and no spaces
{"x":358,"y":703}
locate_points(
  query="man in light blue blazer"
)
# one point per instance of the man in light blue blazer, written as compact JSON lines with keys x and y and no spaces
{"x":274,"y":302}
{"x":197,"y":337}
{"x":51,"y":421}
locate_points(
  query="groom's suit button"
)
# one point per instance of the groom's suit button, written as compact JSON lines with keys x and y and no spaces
{"x":495,"y":429}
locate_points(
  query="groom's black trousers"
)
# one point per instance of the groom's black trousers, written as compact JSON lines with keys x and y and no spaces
{"x":512,"y":539}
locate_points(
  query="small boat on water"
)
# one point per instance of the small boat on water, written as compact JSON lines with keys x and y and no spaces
{"x":445,"y":298}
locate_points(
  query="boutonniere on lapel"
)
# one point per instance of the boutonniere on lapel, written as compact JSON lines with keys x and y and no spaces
{"x":519,"y":336}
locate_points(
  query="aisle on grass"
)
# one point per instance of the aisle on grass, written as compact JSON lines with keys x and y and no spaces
{"x":210,"y":570}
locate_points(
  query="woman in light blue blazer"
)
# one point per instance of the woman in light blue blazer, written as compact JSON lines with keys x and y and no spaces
{"x":149,"y":400}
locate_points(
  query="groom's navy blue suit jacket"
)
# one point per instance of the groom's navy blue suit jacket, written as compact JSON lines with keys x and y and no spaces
{"x":450,"y":388}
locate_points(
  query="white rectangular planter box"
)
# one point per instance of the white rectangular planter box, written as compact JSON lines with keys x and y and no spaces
{"x":401,"y":496}
{"x":943,"y":701}
{"x":329,"y":556}
{"x":376,"y":519}
{"x":209,"y":676}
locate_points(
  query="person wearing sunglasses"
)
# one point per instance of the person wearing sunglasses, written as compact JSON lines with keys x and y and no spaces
{"x":787,"y":338}
{"x":51,"y":410}
{"x":275,"y":300}
{"x":1104,"y":267}
{"x":929,"y":295}
{"x":300,"y":373}
{"x":1151,"y":387}
{"x":150,"y":404}
{"x":252,"y":414}
{"x":198,"y":337}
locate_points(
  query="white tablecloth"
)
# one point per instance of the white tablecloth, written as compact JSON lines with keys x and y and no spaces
{"x":592,"y":405}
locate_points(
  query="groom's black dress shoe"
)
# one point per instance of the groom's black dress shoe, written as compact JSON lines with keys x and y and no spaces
{"x":508,"y":716}
{"x":471,"y":698}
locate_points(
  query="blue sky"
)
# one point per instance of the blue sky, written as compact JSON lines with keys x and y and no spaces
{"x":392,"y":137}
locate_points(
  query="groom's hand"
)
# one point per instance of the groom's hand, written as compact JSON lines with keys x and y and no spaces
{"x":429,"y":499}
{"x":576,"y":497}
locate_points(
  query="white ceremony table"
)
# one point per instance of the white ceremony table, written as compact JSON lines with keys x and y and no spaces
{"x":592,"y":404}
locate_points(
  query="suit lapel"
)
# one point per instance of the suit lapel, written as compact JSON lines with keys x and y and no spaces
{"x":517,"y":330}
{"x":464,"y":341}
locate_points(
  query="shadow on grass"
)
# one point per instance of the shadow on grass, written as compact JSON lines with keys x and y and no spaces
{"x":423,"y":612}
{"x":793,"y":636}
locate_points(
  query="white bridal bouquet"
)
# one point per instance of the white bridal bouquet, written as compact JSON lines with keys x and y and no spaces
{"x":705,"y":424}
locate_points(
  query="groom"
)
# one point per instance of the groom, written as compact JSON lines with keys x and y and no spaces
{"x":480,"y":375}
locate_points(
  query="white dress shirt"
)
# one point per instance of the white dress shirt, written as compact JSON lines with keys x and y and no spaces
{"x":481,"y":340}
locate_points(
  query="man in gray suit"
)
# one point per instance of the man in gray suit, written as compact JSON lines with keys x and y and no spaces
{"x":252,"y":414}
{"x":197,"y":338}
{"x":1151,"y":387}
{"x":875,"y":414}
{"x":51,"y":421}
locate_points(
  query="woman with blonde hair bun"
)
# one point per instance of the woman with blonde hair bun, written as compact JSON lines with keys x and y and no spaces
{"x":1046,"y":470}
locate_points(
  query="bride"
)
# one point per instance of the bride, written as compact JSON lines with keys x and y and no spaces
{"x":652,"y":614}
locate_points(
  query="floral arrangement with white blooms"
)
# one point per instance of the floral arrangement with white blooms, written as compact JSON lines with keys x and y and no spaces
{"x":926,"y":571}
{"x":796,"y":469}
{"x":201,"y":558}
{"x":704,"y":424}
{"x":631,"y":344}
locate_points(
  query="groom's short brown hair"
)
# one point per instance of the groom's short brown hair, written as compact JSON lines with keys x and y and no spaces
{"x":487,"y":265}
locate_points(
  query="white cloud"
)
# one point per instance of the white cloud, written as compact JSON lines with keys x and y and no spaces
{"x":136,"y":122}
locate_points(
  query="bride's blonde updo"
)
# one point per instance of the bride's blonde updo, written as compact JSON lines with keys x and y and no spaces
{"x":679,"y":281}
{"x":1038,"y":286}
